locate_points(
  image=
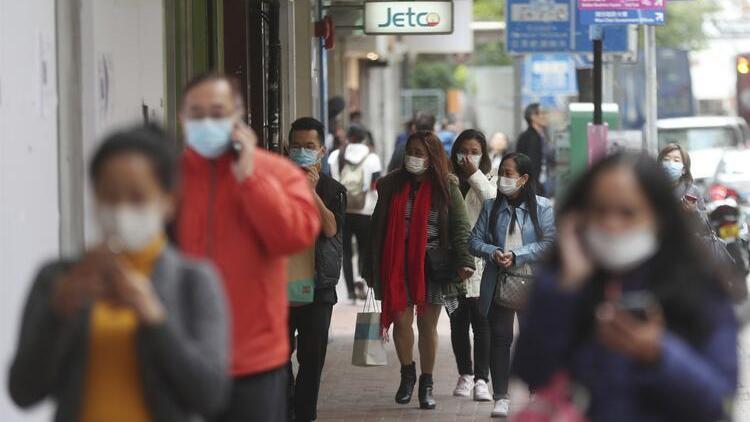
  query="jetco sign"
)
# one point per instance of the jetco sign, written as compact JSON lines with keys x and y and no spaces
{"x":409,"y":17}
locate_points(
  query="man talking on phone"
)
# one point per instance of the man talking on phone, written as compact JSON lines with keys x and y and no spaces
{"x":247,"y":210}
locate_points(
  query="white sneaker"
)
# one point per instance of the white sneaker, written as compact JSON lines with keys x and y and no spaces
{"x":464,"y":385}
{"x":481,"y":391}
{"x":502,"y":408}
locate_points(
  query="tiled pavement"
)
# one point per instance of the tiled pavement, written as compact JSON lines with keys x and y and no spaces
{"x":356,"y":394}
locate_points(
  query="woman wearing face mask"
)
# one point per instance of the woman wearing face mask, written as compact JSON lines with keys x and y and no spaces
{"x":628,"y":306}
{"x":131,"y":331}
{"x":512,"y":232}
{"x":420,"y":216}
{"x":676,"y":162}
{"x":478,"y":183}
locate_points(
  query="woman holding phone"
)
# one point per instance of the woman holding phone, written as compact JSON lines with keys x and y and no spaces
{"x":627,"y":307}
{"x":131,"y":331}
{"x":676,"y":162}
{"x":419,"y":255}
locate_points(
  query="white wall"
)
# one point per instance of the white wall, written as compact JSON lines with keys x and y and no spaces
{"x":122,"y":56}
{"x":28,"y":166}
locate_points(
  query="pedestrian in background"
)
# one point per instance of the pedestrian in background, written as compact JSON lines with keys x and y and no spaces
{"x":310,"y":323}
{"x":132,"y":331}
{"x":532,"y":142}
{"x":512,"y":233}
{"x":423,"y":121}
{"x":357,"y":168}
{"x":478,"y":183}
{"x":419,"y":252}
{"x":676,"y":162}
{"x":448,"y":133}
{"x":498,"y":148}
{"x":629,"y":305}
{"x":247,"y":210}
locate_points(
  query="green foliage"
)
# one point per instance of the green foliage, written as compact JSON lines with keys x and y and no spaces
{"x":491,"y":54}
{"x":489,"y":10}
{"x":434,"y":75}
{"x":684,"y":27}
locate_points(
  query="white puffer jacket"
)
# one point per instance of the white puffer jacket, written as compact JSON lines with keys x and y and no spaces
{"x":483,"y":187}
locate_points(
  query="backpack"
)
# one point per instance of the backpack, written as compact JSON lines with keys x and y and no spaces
{"x":353,"y":179}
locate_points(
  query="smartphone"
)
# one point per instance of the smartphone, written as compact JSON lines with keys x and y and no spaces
{"x":692,"y":199}
{"x":236,"y":150}
{"x":638,"y":304}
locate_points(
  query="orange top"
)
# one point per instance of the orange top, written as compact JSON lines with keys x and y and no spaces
{"x":113,"y":391}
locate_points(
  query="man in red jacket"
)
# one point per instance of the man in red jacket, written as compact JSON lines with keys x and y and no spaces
{"x":247,"y":210}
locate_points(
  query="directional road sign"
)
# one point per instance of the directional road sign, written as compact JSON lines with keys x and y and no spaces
{"x":622,"y":12}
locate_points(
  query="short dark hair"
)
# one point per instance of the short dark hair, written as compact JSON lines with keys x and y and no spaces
{"x":149,"y":141}
{"x":531,"y":110}
{"x":308,"y":123}
{"x":355,"y":115}
{"x":233,"y":82}
{"x":424,"y":121}
{"x":356,"y":134}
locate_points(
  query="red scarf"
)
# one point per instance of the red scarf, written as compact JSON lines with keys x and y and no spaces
{"x":392,"y":266}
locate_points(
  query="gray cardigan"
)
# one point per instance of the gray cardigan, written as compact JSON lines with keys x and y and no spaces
{"x":183,"y":362}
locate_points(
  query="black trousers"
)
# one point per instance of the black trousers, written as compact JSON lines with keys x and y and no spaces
{"x":258,"y":398}
{"x":501,"y":321}
{"x":359,"y":226}
{"x":468,"y":315}
{"x":311,"y":323}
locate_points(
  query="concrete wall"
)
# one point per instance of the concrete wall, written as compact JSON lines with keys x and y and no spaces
{"x":28,"y":166}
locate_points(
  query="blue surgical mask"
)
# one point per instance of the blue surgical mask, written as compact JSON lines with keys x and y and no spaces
{"x":209,"y":137}
{"x":673,"y":169}
{"x":304,"y":157}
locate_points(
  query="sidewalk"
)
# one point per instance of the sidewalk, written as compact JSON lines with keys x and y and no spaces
{"x":355,"y":394}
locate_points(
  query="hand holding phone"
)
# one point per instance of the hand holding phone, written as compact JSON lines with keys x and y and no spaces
{"x":244,"y":142}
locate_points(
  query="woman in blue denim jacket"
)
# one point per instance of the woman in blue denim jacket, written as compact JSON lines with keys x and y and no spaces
{"x":630,"y":305}
{"x":512,"y":232}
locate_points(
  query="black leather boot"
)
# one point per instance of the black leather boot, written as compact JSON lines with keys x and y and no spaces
{"x":426,"y":401}
{"x":408,"y":379}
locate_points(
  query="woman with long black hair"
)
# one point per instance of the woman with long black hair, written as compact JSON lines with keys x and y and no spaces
{"x":419,"y":253}
{"x":478,"y":182}
{"x":630,"y":306}
{"x":512,"y":233}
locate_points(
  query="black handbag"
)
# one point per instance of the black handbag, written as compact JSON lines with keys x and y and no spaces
{"x":440,"y":266}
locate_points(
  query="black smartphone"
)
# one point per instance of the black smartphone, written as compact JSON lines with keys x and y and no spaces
{"x":638,"y":304}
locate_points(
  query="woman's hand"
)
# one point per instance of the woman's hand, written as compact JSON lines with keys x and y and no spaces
{"x":622,"y":332}
{"x":82,"y":283}
{"x":503,"y":260}
{"x":465,"y":273}
{"x":136,"y":291}
{"x":577,"y":267}
{"x":468,"y":167}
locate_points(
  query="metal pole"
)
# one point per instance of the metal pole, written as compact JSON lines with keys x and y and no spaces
{"x":650,"y":133}
{"x":323,"y":58}
{"x":517,"y":97}
{"x":598,"y":81}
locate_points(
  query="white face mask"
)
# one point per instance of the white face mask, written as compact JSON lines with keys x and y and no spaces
{"x":621,"y":252}
{"x":508,"y":186}
{"x":129,"y":227}
{"x":415,"y":165}
{"x":475,"y":159}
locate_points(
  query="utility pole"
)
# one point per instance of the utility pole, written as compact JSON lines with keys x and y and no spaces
{"x":650,"y":135}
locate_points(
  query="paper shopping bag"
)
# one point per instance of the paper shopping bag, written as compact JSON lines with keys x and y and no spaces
{"x":369,"y":349}
{"x":301,"y":276}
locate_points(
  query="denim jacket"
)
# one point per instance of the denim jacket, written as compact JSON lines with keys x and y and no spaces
{"x":482,"y":243}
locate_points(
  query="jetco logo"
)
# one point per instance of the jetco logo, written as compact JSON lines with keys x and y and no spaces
{"x":410,"y":19}
{"x":413,"y":17}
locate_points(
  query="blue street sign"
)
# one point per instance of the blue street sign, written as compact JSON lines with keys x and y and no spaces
{"x":549,"y":75}
{"x":622,"y":17}
{"x":551,"y":26}
{"x":538,"y":25}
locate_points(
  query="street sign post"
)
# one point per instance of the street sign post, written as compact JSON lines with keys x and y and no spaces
{"x":553,"y":26}
{"x":621,"y":12}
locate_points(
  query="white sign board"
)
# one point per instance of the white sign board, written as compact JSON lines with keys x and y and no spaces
{"x":409,"y":17}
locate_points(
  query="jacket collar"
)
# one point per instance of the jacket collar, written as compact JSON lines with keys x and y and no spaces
{"x":193,"y":158}
{"x":505,"y":206}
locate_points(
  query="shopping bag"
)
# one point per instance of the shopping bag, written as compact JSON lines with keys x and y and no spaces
{"x":301,"y":276}
{"x":369,"y":347}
